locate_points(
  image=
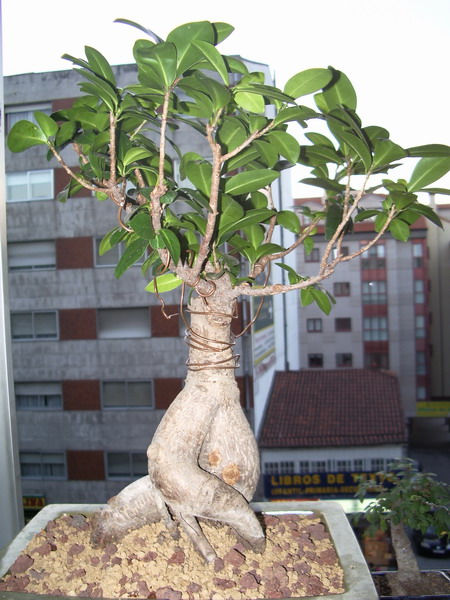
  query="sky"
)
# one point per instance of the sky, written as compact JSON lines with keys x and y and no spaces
{"x":395,"y":52}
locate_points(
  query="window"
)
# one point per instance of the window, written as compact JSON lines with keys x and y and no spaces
{"x":358,"y":464}
{"x":344,"y":360}
{"x":343,"y":324}
{"x":313,"y":256}
{"x":419,"y":291}
{"x":417,"y":255}
{"x":123,"y":323}
{"x":376,"y":360}
{"x":319,"y":466}
{"x":344,"y":465}
{"x":375,"y":329}
{"x":314,"y":325}
{"x":377,"y":464}
{"x":271,"y":468}
{"x":344,"y":251}
{"x":421,"y":392}
{"x":374,"y":292}
{"x":286,"y":467}
{"x":43,"y":465}
{"x":127,"y":394}
{"x":24,"y":113}
{"x":421,"y":363}
{"x":112,"y":257}
{"x":27,"y":256}
{"x":304,"y":466}
{"x":34,"y":325}
{"x":29,"y":185}
{"x":126,"y":465}
{"x":374,"y":258}
{"x":420,"y":326}
{"x":315,"y":361}
{"x":38,"y":396}
{"x":341,"y":288}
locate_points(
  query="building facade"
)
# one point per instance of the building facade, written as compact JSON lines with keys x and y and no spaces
{"x":381,"y":316}
{"x":95,"y":361}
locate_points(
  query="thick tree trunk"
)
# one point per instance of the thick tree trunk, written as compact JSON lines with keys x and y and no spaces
{"x":203,"y":459}
{"x":407,"y":579}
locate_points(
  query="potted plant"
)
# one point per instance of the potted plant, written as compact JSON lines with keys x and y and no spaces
{"x":408,"y":500}
{"x":219,"y":240}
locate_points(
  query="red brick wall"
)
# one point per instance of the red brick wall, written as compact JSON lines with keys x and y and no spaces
{"x":85,"y":465}
{"x":165,"y":391}
{"x":74,"y":253}
{"x":78,"y":324}
{"x":162,"y":327}
{"x":62,"y":103}
{"x":81,"y":395}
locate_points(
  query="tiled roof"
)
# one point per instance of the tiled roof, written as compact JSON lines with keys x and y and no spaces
{"x":342,"y":407}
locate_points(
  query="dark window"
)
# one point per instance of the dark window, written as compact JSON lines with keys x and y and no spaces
{"x":314,"y":325}
{"x":344,"y":360}
{"x":313,"y":256}
{"x":374,"y":292}
{"x":315,"y":361}
{"x":376,"y":360}
{"x":343,"y":324}
{"x":374,"y":258}
{"x":417,"y":255}
{"x":341,"y":288}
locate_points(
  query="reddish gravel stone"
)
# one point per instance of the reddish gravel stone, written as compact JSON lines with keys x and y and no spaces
{"x":142,"y":589}
{"x":21,"y":564}
{"x":167,"y":593}
{"x":248,"y":581}
{"x":223,"y":584}
{"x":150,"y":556}
{"x":177,"y":557}
{"x":233,"y":557}
{"x":317,"y":531}
{"x":75,"y":549}
{"x":219,"y":564}
{"x":44,"y":549}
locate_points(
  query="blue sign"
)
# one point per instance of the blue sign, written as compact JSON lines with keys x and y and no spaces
{"x":313,"y":485}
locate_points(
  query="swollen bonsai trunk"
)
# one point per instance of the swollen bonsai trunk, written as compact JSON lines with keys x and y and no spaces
{"x":218,"y":235}
{"x":203,"y":460}
{"x":407,"y":579}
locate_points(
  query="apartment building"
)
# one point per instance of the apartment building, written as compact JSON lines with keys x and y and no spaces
{"x":95,"y":361}
{"x":381,"y":316}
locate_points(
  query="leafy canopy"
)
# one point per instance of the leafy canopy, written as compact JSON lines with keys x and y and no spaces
{"x":201,"y":212}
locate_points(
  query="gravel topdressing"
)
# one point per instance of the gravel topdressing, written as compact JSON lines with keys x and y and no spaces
{"x":299,"y":560}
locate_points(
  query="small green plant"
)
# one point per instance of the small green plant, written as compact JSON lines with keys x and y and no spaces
{"x":406,"y":498}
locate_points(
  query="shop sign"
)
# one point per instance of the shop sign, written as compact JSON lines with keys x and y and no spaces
{"x":316,"y":485}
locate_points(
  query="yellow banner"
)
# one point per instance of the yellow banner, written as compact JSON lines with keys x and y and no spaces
{"x":433,"y":409}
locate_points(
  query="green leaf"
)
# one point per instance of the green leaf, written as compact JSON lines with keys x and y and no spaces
{"x":400,"y":230}
{"x":380,"y":221}
{"x":366,"y":214}
{"x":172,"y":243}
{"x":141,"y":224}
{"x":248,"y":101}
{"x":251,"y":217}
{"x":429,"y":150}
{"x":268,"y":155}
{"x":307,"y":82}
{"x":23,"y":135}
{"x":162,"y":58}
{"x":100,"y":88}
{"x":326,"y":184}
{"x":285,"y":144}
{"x":386,"y":152}
{"x":46,"y":123}
{"x":292,"y":275}
{"x":428,"y":213}
{"x":164,"y":283}
{"x":231,"y":133}
{"x":289,"y":220}
{"x":322,"y":300}
{"x":131,"y":255}
{"x":230,"y":212}
{"x":200,"y":174}
{"x":339,"y":92}
{"x":359,"y":146}
{"x":214,"y":57}
{"x":295,"y":113}
{"x":183,"y":36}
{"x":267,"y":250}
{"x":428,"y":170}
{"x":134,"y":154}
{"x":306,"y":296}
{"x":333,"y":219}
{"x":99,"y":64}
{"x":111,"y":239}
{"x":140,"y":27}
{"x":65,"y":133}
{"x":254,"y":234}
{"x":249,"y":181}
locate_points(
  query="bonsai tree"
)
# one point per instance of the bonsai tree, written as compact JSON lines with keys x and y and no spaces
{"x":406,"y":497}
{"x":217,"y":241}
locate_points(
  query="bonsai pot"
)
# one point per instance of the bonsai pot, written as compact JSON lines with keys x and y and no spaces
{"x":357,"y":580}
{"x":431,"y":596}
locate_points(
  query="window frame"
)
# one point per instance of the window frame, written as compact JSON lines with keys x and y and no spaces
{"x":28,"y":174}
{"x":314,"y":321}
{"x":27,"y":110}
{"x":341,"y":289}
{"x":127,"y":384}
{"x":311,"y":357}
{"x":33,"y":314}
{"x":41,"y":395}
{"x":32,"y":266}
{"x":126,"y":332}
{"x":342,"y":324}
{"x":313,"y":256}
{"x":341,"y":363}
{"x":42,"y":463}
{"x":375,"y":334}
{"x":132,"y":475}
